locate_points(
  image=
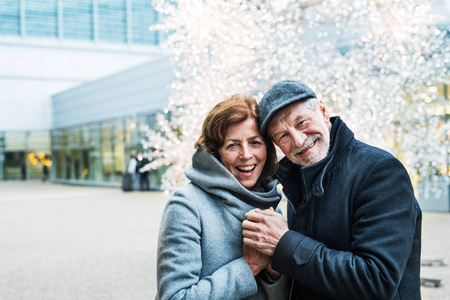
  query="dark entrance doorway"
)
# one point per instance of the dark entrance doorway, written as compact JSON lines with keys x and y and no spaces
{"x":15,"y":167}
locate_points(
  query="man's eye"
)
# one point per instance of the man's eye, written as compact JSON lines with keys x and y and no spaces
{"x":300,"y":123}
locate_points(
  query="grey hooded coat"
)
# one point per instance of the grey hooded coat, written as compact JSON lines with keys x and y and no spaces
{"x":200,"y":240}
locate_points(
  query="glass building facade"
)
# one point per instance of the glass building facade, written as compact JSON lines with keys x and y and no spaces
{"x":91,"y":154}
{"x":95,"y":153}
{"x":98,"y":153}
{"x":114,"y":21}
{"x":24,"y":154}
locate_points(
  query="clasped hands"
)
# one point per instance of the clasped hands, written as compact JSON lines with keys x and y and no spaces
{"x":263,"y":230}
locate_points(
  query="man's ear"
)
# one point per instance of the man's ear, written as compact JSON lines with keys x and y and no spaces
{"x":324,"y":112}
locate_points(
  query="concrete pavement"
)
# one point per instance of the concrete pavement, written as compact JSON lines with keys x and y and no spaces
{"x":67,"y":242}
{"x":436,"y":246}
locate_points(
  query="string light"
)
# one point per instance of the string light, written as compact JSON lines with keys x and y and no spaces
{"x":374,"y":63}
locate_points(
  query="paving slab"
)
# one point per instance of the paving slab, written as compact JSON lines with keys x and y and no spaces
{"x":66,"y":242}
{"x":436,"y":247}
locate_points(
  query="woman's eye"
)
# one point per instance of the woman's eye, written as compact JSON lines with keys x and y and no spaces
{"x":231,"y":146}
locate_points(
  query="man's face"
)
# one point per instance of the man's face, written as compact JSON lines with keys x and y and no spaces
{"x":303,"y":134}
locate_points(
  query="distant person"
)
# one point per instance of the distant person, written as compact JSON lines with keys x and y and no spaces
{"x":200,"y":251}
{"x":23,"y":171}
{"x":144,"y":184}
{"x":45,"y":173}
{"x":134,"y":170}
{"x":354,"y":225}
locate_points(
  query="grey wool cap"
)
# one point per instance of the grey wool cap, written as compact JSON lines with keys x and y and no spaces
{"x":280,"y":95}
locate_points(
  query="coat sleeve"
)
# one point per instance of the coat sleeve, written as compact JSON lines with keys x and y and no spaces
{"x":383,"y":229}
{"x":278,"y":290}
{"x":179,"y":261}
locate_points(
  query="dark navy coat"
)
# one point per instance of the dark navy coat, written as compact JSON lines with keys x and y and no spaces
{"x":355,"y":225}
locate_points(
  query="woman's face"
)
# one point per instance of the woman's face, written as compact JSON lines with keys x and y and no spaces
{"x":244,"y":152}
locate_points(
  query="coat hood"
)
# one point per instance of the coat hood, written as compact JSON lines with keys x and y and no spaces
{"x":212,"y":177}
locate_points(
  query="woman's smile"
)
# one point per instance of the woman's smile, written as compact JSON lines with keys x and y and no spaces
{"x":244,"y":152}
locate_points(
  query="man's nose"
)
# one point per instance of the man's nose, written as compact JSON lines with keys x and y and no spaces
{"x":299,"y":138}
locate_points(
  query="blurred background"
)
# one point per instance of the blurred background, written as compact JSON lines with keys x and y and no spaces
{"x":79,"y":81}
{"x":86,"y":85}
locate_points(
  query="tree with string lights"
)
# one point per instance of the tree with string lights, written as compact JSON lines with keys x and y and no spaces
{"x":375,"y":63}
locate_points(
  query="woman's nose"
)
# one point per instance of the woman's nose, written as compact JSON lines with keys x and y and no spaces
{"x":246,"y":153}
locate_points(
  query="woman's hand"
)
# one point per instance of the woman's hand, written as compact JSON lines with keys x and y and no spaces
{"x":256,"y":260}
{"x":271,"y":272}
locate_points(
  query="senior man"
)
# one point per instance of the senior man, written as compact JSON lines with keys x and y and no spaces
{"x":354,"y":225}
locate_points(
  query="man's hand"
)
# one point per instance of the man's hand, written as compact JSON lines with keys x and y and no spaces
{"x":255,"y":259}
{"x":263,"y":230}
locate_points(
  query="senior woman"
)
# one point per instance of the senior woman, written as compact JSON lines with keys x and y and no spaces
{"x":200,"y":248}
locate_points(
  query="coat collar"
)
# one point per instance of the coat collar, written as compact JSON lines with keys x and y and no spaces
{"x":312,"y":177}
{"x":212,"y":177}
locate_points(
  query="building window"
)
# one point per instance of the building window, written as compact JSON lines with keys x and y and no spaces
{"x":112,"y":20}
{"x":99,"y":153}
{"x":10,"y":17}
{"x":78,"y":21}
{"x":41,"y":18}
{"x":144,"y":15}
{"x":38,"y":154}
{"x":15,"y":140}
{"x":24,"y":155}
{"x":115,"y":21}
{"x":119,"y":162}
